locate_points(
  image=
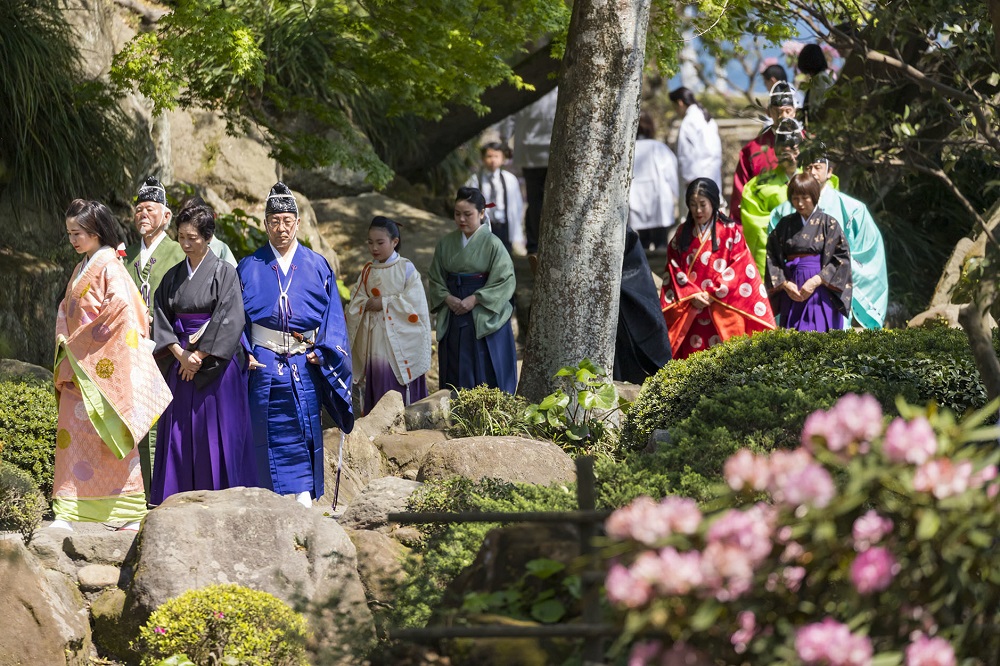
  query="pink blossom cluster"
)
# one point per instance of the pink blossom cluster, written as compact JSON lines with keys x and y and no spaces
{"x":736,"y":544}
{"x":831,"y":643}
{"x":869,"y":529}
{"x":873,"y":570}
{"x":651,"y":652}
{"x":648,"y":521}
{"x":853,"y":419}
{"x":793,"y":478}
{"x":945,"y":478}
{"x":926,"y":651}
{"x":748,"y":627}
{"x":911,"y":442}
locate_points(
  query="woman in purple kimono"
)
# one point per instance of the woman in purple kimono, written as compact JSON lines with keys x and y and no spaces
{"x":808,"y":263}
{"x":204,"y":441}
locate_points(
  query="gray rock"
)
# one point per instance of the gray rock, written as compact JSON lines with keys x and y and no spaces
{"x":513,"y":459}
{"x":431,"y":413}
{"x":44,"y":618}
{"x":48,"y":546}
{"x":380,"y":564}
{"x":255,"y":538}
{"x":110,"y":633}
{"x":363,"y":461}
{"x":405,"y":450}
{"x":104,"y":547}
{"x":309,"y":230}
{"x":11,"y":368}
{"x":370,"y":509}
{"x":98,"y":576}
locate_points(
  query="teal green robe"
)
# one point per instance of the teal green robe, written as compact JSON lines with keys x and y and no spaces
{"x":761,"y":195}
{"x":222,"y":251}
{"x":868,"y":266}
{"x":485,"y":253}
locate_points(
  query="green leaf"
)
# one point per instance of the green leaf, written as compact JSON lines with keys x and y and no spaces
{"x":887,"y":659}
{"x":587,"y":399}
{"x":584,"y":376}
{"x":176,"y":660}
{"x":705,"y":616}
{"x":606,"y":396}
{"x":548,"y":611}
{"x":557,"y":399}
{"x":544,"y":568}
{"x":566,"y":371}
{"x":928,"y":524}
{"x":587,"y":364}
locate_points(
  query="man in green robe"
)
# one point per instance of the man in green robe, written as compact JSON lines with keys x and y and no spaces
{"x":868,"y":267}
{"x":769,"y":189}
{"x":147,"y":262}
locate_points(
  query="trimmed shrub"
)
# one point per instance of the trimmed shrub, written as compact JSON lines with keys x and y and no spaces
{"x":222,"y":624}
{"x":756,"y":392}
{"x":21,"y":503}
{"x":28,"y":416}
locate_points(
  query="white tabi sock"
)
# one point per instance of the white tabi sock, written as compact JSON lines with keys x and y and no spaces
{"x":305,"y":499}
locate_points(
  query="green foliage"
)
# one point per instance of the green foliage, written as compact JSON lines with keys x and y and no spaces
{"x":545,"y":594}
{"x":61,"y":136}
{"x":756,"y":392}
{"x":580,"y":421}
{"x":21,"y":503}
{"x":225,"y":624}
{"x":448,"y":549}
{"x":935,"y":545}
{"x":488,"y":411}
{"x":242,"y":232}
{"x":28,"y":416}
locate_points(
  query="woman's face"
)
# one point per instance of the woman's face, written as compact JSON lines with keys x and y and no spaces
{"x":701,"y":209}
{"x":467,"y":218}
{"x":192,"y":243}
{"x":81,"y":240}
{"x":804,"y":204}
{"x":381,"y":244}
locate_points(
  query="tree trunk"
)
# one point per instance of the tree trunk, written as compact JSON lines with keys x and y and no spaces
{"x":582,"y":238}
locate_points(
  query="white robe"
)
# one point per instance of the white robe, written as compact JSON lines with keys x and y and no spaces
{"x":399,"y":334}
{"x":699,"y":149}
{"x":654,"y":186}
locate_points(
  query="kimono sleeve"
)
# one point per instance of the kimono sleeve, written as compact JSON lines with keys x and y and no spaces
{"x":742,"y":175}
{"x":334,"y":351}
{"x":677,"y":286}
{"x":163,"y":320}
{"x":355,"y":312}
{"x":408,"y":326}
{"x":774,"y":261}
{"x":437,"y":287}
{"x":836,"y":270}
{"x":221,"y":340}
{"x":499,"y":287}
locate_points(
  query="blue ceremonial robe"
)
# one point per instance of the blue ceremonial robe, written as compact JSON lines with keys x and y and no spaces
{"x":286,"y":395}
{"x":869,"y":275}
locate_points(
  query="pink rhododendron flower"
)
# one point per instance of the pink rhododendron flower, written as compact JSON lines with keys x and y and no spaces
{"x":810,"y":486}
{"x":648,"y":567}
{"x":682,"y":513}
{"x":830,"y":643}
{"x":873,"y":570}
{"x":853,"y":419}
{"x":869,"y":529}
{"x":785,"y":463}
{"x":626,"y":590}
{"x":741,"y":637}
{"x":912,"y":442}
{"x":644,"y":652}
{"x":943,"y":478}
{"x":726,"y":570}
{"x":746,"y":470}
{"x":993,"y":490}
{"x":930,"y":652}
{"x":750,"y":530}
{"x":983,"y":476}
{"x":793,"y":577}
{"x":682,"y":572}
{"x":648,"y":521}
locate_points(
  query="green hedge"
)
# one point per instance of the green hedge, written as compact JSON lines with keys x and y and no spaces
{"x":21,"y":504}
{"x":758,"y":391}
{"x":28,"y":415}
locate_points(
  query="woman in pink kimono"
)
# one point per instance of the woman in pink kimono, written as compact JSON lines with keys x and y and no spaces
{"x":107,"y":385}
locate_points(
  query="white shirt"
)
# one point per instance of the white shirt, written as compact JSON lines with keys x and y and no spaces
{"x":653,"y":193}
{"x":699,"y":148}
{"x":145,"y":253}
{"x":285,"y":262}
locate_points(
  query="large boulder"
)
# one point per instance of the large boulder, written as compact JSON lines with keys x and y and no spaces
{"x":431,"y":413}
{"x":32,"y":289}
{"x":255,"y":538}
{"x":370,"y":510}
{"x":363,"y":461}
{"x":44,"y":618}
{"x":14,"y":370}
{"x":404,"y":451}
{"x":513,"y":459}
{"x":380,"y":564}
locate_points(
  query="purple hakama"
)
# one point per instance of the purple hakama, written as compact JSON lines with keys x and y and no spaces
{"x":817,"y":313}
{"x":204,"y":441}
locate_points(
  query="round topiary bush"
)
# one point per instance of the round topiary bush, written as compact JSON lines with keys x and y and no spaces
{"x":756,"y":392}
{"x":225,"y":622}
{"x":28,"y":416}
{"x":21,"y":503}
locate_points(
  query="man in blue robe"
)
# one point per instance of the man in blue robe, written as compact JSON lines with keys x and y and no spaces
{"x":868,"y":266}
{"x":300,"y":358}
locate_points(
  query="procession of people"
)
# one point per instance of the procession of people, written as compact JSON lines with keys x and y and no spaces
{"x":179,"y":368}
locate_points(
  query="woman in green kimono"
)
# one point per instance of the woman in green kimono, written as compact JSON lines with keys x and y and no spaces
{"x":471,"y":284}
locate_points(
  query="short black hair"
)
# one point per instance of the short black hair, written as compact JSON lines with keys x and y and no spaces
{"x":812,"y":60}
{"x":473,"y":196}
{"x":96,"y":219}
{"x":389,"y":225}
{"x":774,"y":72}
{"x":493,"y":145}
{"x":198,"y":213}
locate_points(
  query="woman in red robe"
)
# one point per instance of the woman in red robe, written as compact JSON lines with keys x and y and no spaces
{"x":712,"y":289}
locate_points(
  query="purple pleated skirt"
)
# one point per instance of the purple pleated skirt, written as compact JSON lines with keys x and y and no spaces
{"x":204,"y":440}
{"x":819,"y":312}
{"x":380,"y":379}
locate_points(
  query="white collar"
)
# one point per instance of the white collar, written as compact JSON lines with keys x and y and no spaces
{"x":146,"y":252}
{"x":187,"y":262}
{"x":87,"y":261}
{"x":285,"y":262}
{"x":393,"y":258}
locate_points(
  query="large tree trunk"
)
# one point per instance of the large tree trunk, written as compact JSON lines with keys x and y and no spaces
{"x":582,"y":239}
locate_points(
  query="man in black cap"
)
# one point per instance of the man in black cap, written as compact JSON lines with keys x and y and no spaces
{"x":147,"y":262}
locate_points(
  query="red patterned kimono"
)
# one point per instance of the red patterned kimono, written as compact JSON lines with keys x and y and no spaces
{"x":739,"y":303}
